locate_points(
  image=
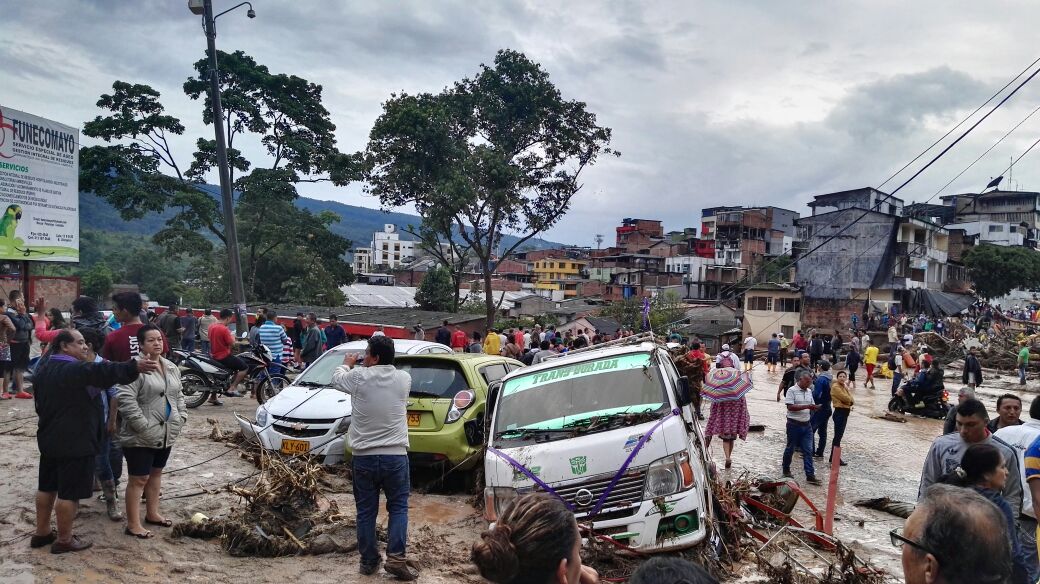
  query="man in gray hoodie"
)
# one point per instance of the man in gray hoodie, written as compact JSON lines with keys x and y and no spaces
{"x":945,"y":454}
{"x":378,"y":438}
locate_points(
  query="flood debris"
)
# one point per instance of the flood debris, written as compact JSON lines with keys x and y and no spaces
{"x":897,"y":508}
{"x":284,"y":513}
{"x":750,"y":509}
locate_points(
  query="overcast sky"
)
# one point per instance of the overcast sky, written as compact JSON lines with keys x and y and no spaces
{"x":710,"y":102}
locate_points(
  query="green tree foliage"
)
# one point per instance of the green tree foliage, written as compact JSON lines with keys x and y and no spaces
{"x":438,"y":238}
{"x":665,"y":310}
{"x":997,"y":270}
{"x":777,"y":270}
{"x":501,"y":152}
{"x":138,"y":172}
{"x":436,"y":291}
{"x":97,"y":281}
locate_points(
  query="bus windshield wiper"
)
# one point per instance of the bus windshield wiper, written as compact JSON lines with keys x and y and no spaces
{"x":534,"y":431}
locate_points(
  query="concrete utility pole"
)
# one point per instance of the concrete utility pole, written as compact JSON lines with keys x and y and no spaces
{"x":238,"y":295}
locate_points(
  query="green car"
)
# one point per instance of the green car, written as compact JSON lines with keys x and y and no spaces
{"x":446,"y":406}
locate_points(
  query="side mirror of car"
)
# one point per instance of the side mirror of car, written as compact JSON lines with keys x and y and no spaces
{"x":682,"y":392}
{"x":489,"y":407}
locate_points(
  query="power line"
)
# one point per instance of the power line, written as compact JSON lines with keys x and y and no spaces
{"x":736,"y":285}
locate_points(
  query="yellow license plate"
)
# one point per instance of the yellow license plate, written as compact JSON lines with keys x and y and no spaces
{"x":295,"y":446}
{"x":414,"y":419}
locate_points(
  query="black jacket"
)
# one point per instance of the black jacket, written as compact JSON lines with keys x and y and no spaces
{"x":69,"y":405}
{"x":972,"y":365}
{"x":443,"y":336}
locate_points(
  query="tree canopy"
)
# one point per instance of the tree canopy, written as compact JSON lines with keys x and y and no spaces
{"x":997,"y":270}
{"x":287,"y":253}
{"x":501,"y":152}
{"x":435,"y":292}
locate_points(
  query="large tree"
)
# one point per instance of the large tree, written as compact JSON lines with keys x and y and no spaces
{"x":498,"y":153}
{"x":996,"y":270}
{"x":139,"y":173}
{"x":437,"y":236}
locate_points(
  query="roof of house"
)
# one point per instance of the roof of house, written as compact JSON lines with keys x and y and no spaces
{"x":400,"y":317}
{"x":604,"y":325}
{"x":707,"y":329}
{"x":776,"y":286}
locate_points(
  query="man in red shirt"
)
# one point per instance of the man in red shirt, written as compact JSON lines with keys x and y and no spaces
{"x":458,"y":340}
{"x":121,"y":345}
{"x":221,"y":343}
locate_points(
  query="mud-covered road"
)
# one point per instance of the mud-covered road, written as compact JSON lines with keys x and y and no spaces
{"x":884,"y":460}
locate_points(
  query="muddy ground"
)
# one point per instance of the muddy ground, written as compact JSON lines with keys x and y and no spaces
{"x":884,"y":460}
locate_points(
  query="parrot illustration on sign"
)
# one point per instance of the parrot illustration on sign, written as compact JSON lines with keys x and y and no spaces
{"x":9,"y":222}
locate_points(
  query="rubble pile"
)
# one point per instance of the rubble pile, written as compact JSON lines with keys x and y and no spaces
{"x":284,"y":514}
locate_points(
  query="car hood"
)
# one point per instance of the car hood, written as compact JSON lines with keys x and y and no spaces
{"x":310,"y":403}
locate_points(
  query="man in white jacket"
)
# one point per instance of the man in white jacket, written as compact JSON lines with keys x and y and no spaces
{"x":378,"y":438}
{"x":1020,"y":438}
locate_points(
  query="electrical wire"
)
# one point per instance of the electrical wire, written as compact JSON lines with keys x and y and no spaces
{"x":733,"y":287}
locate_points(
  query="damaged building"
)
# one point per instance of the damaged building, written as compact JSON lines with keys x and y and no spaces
{"x":863,"y":256}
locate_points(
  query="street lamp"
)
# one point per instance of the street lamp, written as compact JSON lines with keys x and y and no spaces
{"x":238,"y":296}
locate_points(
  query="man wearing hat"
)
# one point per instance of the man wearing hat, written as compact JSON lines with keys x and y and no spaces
{"x":420,"y":332}
{"x":726,"y":358}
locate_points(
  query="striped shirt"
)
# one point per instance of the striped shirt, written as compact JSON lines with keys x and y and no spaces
{"x":273,"y":336}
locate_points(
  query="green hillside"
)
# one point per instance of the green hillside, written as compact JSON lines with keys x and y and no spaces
{"x":356,"y":223}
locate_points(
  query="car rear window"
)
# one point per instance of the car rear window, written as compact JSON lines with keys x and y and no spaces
{"x":435,"y":378}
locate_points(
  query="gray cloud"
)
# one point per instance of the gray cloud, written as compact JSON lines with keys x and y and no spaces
{"x":710,"y":102}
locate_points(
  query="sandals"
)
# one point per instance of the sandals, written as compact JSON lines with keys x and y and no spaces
{"x":161,"y":523}
{"x":215,"y":402}
{"x":145,"y":535}
{"x":38,"y":541}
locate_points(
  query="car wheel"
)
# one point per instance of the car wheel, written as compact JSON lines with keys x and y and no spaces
{"x":195,"y":389}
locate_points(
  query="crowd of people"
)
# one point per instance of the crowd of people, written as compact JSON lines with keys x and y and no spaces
{"x":106,"y":393}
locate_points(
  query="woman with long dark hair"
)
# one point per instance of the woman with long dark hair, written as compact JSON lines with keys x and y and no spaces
{"x":984,"y":470}
{"x":536,"y":539}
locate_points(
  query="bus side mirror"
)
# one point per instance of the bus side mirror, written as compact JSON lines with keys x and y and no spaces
{"x":489,"y":408}
{"x":683,"y":392}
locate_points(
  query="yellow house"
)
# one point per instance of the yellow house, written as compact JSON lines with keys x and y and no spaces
{"x":550,"y":273}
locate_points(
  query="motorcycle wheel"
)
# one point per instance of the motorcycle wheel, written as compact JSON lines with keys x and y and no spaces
{"x":897,"y":404}
{"x":271,"y":387}
{"x":195,"y":389}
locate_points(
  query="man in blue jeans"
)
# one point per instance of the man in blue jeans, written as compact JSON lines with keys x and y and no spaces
{"x":800,"y":406}
{"x":378,"y":437}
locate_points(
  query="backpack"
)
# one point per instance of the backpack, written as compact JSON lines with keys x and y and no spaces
{"x":726,"y":361}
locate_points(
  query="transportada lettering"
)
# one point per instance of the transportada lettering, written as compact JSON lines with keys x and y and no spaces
{"x":582,"y":368}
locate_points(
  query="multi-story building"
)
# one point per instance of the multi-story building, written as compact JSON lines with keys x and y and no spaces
{"x":854,"y":257}
{"x":742,"y":236}
{"x":362,"y":260}
{"x":388,"y":249}
{"x":1019,"y":210}
{"x":552,"y":274}
{"x":866,"y":198}
{"x":637,"y":235}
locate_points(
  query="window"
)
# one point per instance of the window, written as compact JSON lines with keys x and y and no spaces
{"x":788,"y":305}
{"x":788,"y":331}
{"x":996,"y":228}
{"x":760,"y":303}
{"x":493,"y":373}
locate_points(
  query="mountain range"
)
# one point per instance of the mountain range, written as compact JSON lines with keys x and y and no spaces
{"x":356,"y":223}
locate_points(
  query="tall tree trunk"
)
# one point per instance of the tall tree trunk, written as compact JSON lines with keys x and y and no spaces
{"x":488,"y":297}
{"x":456,"y":279}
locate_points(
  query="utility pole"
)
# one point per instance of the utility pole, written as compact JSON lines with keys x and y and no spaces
{"x":238,"y":295}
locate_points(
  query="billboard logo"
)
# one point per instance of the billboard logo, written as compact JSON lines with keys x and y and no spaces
{"x":6,"y":137}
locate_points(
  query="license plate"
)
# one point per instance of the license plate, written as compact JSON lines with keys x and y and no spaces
{"x":414,"y":419}
{"x":295,"y":446}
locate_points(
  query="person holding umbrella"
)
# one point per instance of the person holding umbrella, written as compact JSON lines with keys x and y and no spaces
{"x":725,"y":388}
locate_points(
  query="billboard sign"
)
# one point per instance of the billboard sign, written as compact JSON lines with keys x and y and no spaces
{"x":39,"y":188}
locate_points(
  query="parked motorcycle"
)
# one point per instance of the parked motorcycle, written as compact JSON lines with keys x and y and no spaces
{"x":934,"y":404}
{"x":202,"y":376}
